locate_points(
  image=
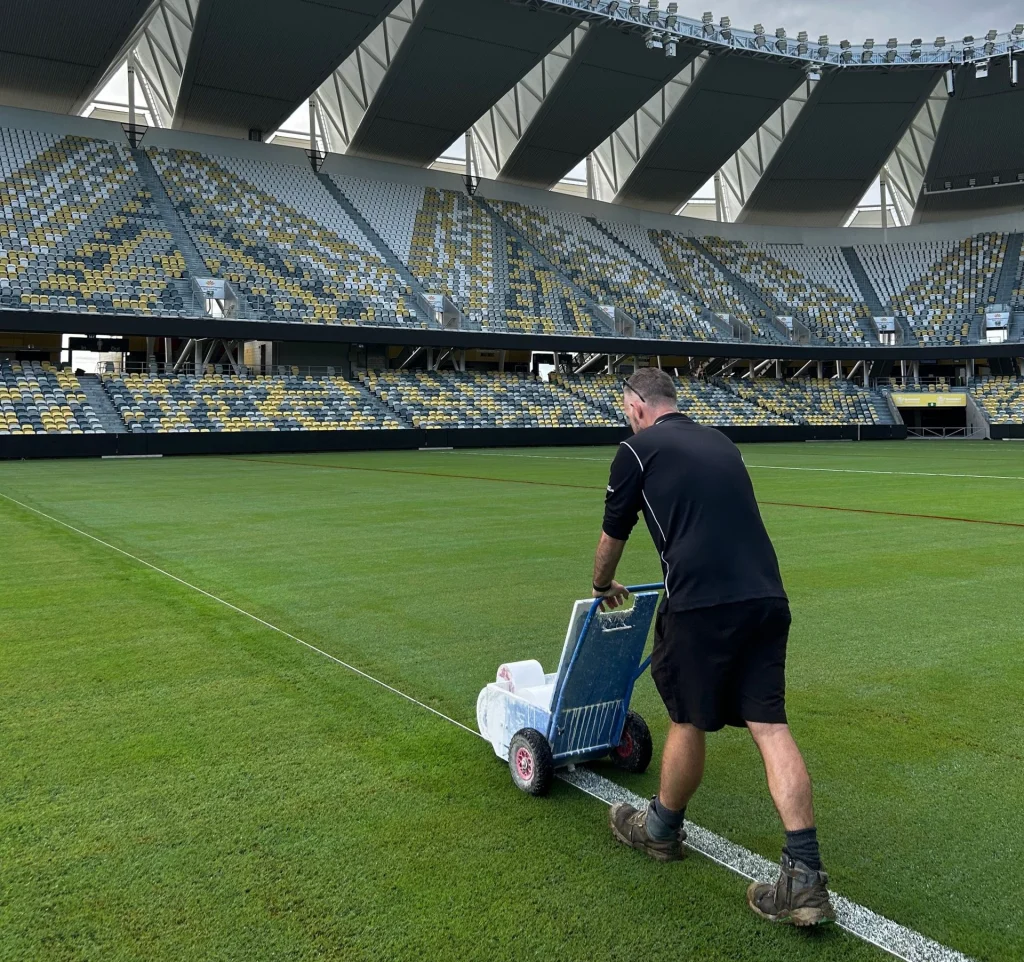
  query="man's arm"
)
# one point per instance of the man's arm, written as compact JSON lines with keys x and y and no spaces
{"x":621,"y":507}
{"x":606,"y":560}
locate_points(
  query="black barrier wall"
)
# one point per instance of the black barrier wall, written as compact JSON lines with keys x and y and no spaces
{"x":296,"y":442}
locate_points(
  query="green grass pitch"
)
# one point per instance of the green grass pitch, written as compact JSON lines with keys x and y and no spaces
{"x":178,"y":782}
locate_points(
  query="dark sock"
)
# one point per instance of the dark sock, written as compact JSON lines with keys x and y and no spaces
{"x":803,"y":847}
{"x":663,"y":823}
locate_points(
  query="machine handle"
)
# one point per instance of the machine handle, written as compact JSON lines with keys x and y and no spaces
{"x":579,"y":644}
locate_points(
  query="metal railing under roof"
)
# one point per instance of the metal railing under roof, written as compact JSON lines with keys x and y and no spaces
{"x":663,"y":30}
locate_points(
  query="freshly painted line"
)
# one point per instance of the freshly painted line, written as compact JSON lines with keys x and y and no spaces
{"x":887,"y":935}
{"x":891,"y":937}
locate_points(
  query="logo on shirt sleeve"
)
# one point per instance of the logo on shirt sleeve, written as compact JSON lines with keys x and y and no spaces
{"x":611,"y":490}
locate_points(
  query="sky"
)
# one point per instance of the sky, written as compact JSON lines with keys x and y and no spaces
{"x":856,"y":20}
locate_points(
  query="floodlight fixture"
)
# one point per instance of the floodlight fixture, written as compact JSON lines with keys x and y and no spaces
{"x":991,"y":36}
{"x":892,"y":43}
{"x":652,"y":11}
{"x":759,"y":40}
{"x":890,"y":55}
{"x":950,"y":82}
{"x":672,"y":17}
{"x":725,"y":28}
{"x":1018,"y":30}
{"x":634,"y":11}
{"x":612,"y":8}
{"x":780,"y":39}
{"x":594,"y":4}
{"x":708,"y":23}
{"x":990,"y":48}
{"x":801,"y":43}
{"x":968,"y":47}
{"x":940,"y":42}
{"x":823,"y":47}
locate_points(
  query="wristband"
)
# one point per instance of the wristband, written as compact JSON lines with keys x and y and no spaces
{"x":601,"y":590}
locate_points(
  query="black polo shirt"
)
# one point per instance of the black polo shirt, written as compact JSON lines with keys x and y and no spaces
{"x":696,"y":497}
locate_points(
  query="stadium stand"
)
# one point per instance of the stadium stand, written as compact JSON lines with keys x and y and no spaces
{"x":814,"y":283}
{"x":275,"y":232}
{"x":453,"y":246}
{"x":703,"y":401}
{"x":936,"y":285}
{"x":451,"y":399}
{"x":78,"y":231}
{"x":608,"y":272}
{"x":37,"y":398}
{"x":816,"y":401}
{"x":160,"y":404}
{"x":674,"y":255}
{"x":1001,"y":398}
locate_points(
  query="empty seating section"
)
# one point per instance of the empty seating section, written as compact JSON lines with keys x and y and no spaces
{"x":450,"y":399}
{"x":275,"y":232}
{"x":816,"y":402}
{"x":813,"y":283}
{"x":161,"y":404}
{"x":936,"y":285}
{"x":702,"y":278}
{"x":37,"y":398}
{"x":608,"y":273}
{"x":78,"y":231}
{"x":390,"y":209}
{"x":706,"y":403}
{"x":1001,"y":398}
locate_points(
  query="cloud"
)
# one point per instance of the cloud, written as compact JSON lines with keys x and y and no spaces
{"x":879,"y":19}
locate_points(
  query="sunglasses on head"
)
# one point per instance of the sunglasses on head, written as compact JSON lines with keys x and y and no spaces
{"x":625,"y":383}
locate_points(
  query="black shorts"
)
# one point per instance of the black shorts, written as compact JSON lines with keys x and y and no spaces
{"x":724,"y":665}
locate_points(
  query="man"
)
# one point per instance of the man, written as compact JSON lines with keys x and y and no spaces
{"x":720,"y":638}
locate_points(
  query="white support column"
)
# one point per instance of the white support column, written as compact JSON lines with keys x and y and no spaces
{"x":884,"y":197}
{"x":821,"y":370}
{"x":867,"y":380}
{"x":131,"y":90}
{"x":312,"y":125}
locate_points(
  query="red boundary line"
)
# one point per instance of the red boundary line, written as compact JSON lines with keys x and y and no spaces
{"x":591,"y":487}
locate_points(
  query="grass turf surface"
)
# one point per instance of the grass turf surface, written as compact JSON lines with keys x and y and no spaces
{"x":180,"y":782}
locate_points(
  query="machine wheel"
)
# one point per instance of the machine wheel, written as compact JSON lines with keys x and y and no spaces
{"x":530,"y":762}
{"x":633,"y":753}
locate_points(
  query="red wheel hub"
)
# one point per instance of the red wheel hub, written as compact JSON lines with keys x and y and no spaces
{"x":524,"y":764}
{"x":625,"y":748}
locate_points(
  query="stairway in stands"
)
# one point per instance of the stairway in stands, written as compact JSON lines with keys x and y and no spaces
{"x":381,"y":248}
{"x":724,"y":331}
{"x":98,"y":400}
{"x":753,"y":298}
{"x":867,"y":292}
{"x":1010,"y":273}
{"x":502,"y":228}
{"x":182,"y":238}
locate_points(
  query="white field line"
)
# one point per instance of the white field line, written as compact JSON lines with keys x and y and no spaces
{"x":767,"y":467}
{"x":891,"y":937}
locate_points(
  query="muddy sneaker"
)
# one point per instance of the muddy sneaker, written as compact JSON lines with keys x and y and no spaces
{"x":629,"y":826}
{"x":799,"y":897}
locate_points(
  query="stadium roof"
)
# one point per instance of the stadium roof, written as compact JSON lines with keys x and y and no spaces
{"x":798,"y":129}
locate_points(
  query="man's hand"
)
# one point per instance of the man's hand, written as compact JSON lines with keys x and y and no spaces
{"x":613,"y":596}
